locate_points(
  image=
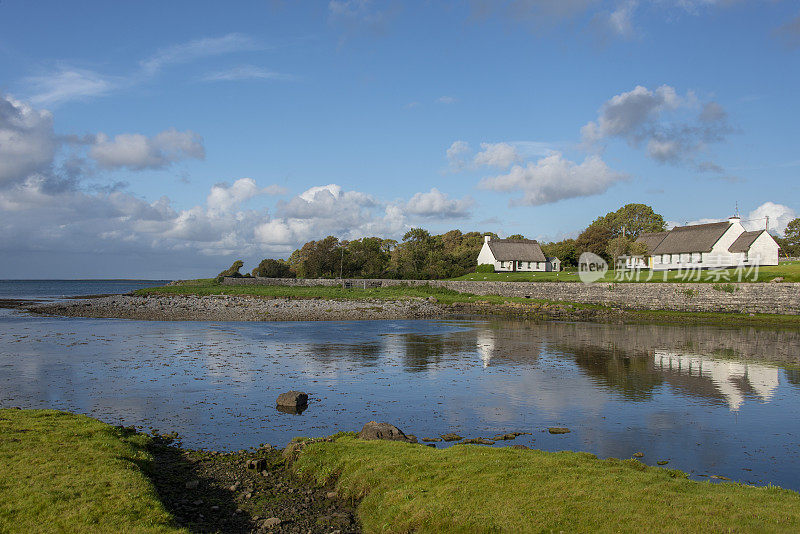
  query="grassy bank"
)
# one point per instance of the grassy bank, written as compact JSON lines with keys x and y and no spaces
{"x":474,"y":489}
{"x":210,"y":287}
{"x":70,"y":473}
{"x":789,"y":271}
{"x":482,"y":304}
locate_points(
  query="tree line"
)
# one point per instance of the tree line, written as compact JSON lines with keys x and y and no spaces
{"x":421,"y":255}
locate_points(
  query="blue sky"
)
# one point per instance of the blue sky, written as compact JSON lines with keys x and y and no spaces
{"x":166,"y":139}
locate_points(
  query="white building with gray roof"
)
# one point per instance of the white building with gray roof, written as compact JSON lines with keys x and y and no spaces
{"x":699,"y":246}
{"x":514,"y":255}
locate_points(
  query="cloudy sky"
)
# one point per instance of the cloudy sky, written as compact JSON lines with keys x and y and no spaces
{"x":166,"y":139}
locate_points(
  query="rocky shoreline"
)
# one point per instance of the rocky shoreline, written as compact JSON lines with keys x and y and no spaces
{"x":249,"y":308}
{"x":240,"y":308}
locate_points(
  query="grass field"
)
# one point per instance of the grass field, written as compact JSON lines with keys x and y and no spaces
{"x":790,"y":271}
{"x":469,"y":488}
{"x":445,"y":296}
{"x":69,"y":473}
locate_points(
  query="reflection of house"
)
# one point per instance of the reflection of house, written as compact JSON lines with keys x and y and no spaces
{"x":509,"y":255}
{"x":731,"y":379}
{"x":721,"y":244}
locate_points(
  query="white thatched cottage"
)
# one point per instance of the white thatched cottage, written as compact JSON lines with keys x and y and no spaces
{"x":513,"y":255}
{"x":722,"y":244}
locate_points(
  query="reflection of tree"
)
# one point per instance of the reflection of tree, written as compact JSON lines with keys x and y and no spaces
{"x":630,"y":374}
{"x":422,"y":351}
{"x":365,"y":354}
{"x":792,"y":376}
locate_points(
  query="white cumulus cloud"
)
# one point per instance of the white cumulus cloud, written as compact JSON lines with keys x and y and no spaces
{"x":555,"y":178}
{"x":501,"y":155}
{"x":137,"y":151}
{"x":779,"y":216}
{"x":27,"y":141}
{"x":437,"y":205}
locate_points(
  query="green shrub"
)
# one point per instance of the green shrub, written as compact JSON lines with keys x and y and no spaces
{"x":485,"y":268}
{"x":270,"y":268}
{"x":232,"y":271}
{"x":727,"y":288}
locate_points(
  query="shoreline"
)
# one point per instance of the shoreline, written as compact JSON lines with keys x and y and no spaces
{"x":255,"y":308}
{"x":349,"y":483}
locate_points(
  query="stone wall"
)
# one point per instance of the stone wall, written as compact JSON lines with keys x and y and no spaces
{"x":783,"y":298}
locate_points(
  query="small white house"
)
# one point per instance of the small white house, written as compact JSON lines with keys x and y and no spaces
{"x":698,"y":246}
{"x":516,"y":255}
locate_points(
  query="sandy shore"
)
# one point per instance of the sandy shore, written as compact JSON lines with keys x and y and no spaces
{"x":241,"y":308}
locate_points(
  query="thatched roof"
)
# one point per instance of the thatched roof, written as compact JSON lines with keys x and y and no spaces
{"x":651,"y":240}
{"x":694,"y":238}
{"x":743,"y":242}
{"x":516,"y":250}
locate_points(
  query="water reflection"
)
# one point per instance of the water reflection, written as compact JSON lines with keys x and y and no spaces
{"x":729,"y":380}
{"x":712,"y":400}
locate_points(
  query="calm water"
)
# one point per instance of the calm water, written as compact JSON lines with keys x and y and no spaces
{"x":55,"y":289}
{"x":703,"y":398}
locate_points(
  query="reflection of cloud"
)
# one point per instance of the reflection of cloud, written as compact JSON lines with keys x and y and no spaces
{"x":732,"y":379}
{"x":485,"y":344}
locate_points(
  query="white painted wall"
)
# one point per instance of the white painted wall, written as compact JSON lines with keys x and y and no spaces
{"x":486,"y":256}
{"x":764,"y":250}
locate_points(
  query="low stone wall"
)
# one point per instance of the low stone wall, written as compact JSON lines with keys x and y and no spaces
{"x":782,"y":298}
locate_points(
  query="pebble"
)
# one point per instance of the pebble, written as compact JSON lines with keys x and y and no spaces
{"x":271,"y":522}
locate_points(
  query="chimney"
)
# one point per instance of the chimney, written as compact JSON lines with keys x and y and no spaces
{"x":734,"y":219}
{"x":487,"y":238}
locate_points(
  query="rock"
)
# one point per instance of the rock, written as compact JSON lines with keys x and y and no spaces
{"x":662,"y":462}
{"x":430,"y":445}
{"x":451,"y":436}
{"x":259,"y":464}
{"x":293,"y":398}
{"x":294,"y":410}
{"x":431,"y":440}
{"x":477,"y":441}
{"x":331,"y":495}
{"x":558,"y":430}
{"x":192,"y":484}
{"x":777,"y":280}
{"x":523,"y":447}
{"x":638,"y":454}
{"x":509,"y":435}
{"x":719,"y":477}
{"x":271,"y":522}
{"x":375,"y":430}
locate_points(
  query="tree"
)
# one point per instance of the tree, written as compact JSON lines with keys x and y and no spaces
{"x":792,"y":232}
{"x":632,"y":220}
{"x":595,"y":239}
{"x":516,"y":236}
{"x":270,"y":268}
{"x":232,"y":271}
{"x":565,"y":250}
{"x":317,"y":259}
{"x":617,"y":247}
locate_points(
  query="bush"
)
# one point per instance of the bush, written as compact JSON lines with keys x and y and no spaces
{"x":485,"y":268}
{"x":232,"y":271}
{"x":270,"y":268}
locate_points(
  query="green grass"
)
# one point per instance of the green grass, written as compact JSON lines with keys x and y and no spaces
{"x":449,"y":296}
{"x":61,"y":472}
{"x":404,"y":292}
{"x":476,"y":489}
{"x":790,"y":271}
